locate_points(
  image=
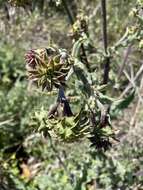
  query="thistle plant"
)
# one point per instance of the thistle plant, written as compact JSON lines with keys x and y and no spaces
{"x":53,"y":68}
{"x":48,"y":69}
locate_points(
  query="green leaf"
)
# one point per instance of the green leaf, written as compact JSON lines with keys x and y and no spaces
{"x":105,"y":99}
{"x":125,"y":103}
{"x":77,"y":46}
{"x":82,"y":77}
{"x":116,"y":107}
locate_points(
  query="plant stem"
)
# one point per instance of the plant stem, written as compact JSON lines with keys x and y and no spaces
{"x":71,"y":20}
{"x":62,"y":99}
{"x":105,"y":42}
{"x":68,"y":11}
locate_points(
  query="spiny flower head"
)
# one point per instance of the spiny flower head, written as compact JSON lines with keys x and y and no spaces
{"x":48,"y":67}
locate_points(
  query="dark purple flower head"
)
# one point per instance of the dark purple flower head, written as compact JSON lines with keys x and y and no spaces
{"x":30,"y":58}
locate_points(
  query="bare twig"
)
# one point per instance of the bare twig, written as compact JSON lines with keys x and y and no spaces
{"x":5,"y":122}
{"x":95,"y":11}
{"x":132,"y":82}
{"x":124,"y":61}
{"x":137,"y":108}
{"x":119,"y":42}
{"x":135,"y":78}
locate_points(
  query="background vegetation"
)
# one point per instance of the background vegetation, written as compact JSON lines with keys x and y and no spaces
{"x":28,"y":161}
